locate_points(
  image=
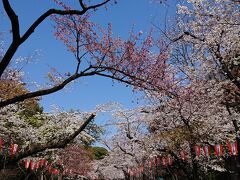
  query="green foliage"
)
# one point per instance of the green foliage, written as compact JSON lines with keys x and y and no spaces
{"x":35,"y":120}
{"x":30,"y":110}
{"x":32,"y":113}
{"x":99,"y":152}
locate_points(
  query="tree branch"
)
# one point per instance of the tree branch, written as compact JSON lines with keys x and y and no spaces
{"x":92,"y":7}
{"x":15,"y":37}
{"x":17,"y":40}
{"x":185,"y":33}
{"x":14,"y":20}
{"x":125,"y":151}
{"x":52,"y":145}
{"x":82,"y":4}
{"x":96,"y":70}
{"x":58,"y":12}
{"x":48,"y":13}
{"x":45,"y":91}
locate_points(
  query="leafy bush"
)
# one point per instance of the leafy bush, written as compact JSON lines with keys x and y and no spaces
{"x":99,"y":152}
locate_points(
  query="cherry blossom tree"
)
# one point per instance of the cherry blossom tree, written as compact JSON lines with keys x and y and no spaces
{"x":126,"y":145}
{"x":45,"y":132}
{"x":77,"y":160}
{"x":96,"y":51}
{"x":194,"y":98}
{"x":208,"y":48}
{"x":195,"y":116}
{"x":204,"y":96}
{"x":211,"y":29}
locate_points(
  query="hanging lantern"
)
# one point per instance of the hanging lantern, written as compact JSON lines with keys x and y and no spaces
{"x":49,"y":167}
{"x":41,"y":162}
{"x":182,"y":155}
{"x":233,"y":148}
{"x":218,"y":150}
{"x":130,"y":171}
{"x":32,"y":165}
{"x":206,"y":150}
{"x":26,"y":163}
{"x":45,"y":163}
{"x":55,"y":171}
{"x":164,"y":161}
{"x":197,"y":150}
{"x":36,"y":165}
{"x":14,"y":148}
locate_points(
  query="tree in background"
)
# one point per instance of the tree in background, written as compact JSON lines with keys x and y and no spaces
{"x":201,"y":97}
{"x":99,"y":152}
{"x":77,"y":160}
{"x":195,"y":96}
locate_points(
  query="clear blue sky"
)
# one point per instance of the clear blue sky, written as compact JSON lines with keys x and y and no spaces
{"x":92,"y":91}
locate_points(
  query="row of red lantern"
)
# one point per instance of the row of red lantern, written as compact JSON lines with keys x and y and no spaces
{"x":32,"y":165}
{"x":232,"y":146}
{"x":43,"y":164}
{"x":14,"y":147}
{"x":166,"y":161}
{"x":218,"y":148}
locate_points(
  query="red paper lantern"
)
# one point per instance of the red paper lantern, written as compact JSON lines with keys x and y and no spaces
{"x":183,"y":155}
{"x":206,"y":150}
{"x":26,"y":163}
{"x":1,"y":144}
{"x":218,"y":150}
{"x":233,"y":148}
{"x":164,"y":161}
{"x":32,"y":165}
{"x":14,"y":148}
{"x":197,"y":150}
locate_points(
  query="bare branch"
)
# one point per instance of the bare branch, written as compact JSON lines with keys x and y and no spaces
{"x":96,"y":6}
{"x":14,"y":20}
{"x":58,"y":12}
{"x":17,"y":40}
{"x":185,"y":33}
{"x":82,"y":4}
{"x":125,"y":151}
{"x":46,"y":91}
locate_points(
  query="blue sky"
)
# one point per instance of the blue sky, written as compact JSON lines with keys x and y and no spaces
{"x":90,"y":91}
